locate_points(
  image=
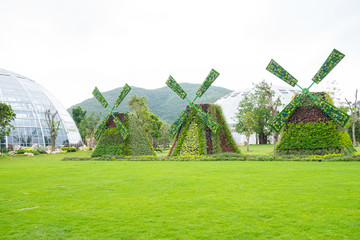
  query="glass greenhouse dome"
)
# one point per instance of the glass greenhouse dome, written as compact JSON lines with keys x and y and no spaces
{"x":29,"y":100}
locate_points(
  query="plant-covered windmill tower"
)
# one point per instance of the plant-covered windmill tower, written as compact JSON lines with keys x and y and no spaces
{"x":201,"y":128}
{"x":120,"y":133}
{"x":312,"y":121}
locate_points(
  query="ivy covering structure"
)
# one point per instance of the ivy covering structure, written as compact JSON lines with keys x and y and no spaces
{"x":310,"y":130}
{"x":209,"y":121}
{"x":201,"y":128}
{"x":194,"y":137}
{"x":112,"y":142}
{"x":312,"y":123}
{"x":333,"y":112}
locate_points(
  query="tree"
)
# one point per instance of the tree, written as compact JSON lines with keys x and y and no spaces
{"x":149,"y":121}
{"x":354,"y":108}
{"x":7,"y":115}
{"x":246,"y":126}
{"x":78,"y":114}
{"x":88,"y":127}
{"x":53,"y":124}
{"x":138,"y":105}
{"x":165,"y":137}
{"x":153,"y":126}
{"x":256,"y":102}
{"x":271,"y":105}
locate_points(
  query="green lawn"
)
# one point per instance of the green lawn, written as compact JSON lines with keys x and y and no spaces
{"x":45,"y":198}
{"x":257,"y":149}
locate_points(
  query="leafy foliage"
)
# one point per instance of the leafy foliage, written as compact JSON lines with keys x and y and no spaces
{"x":112,"y":143}
{"x":256,"y":103}
{"x":318,"y":137}
{"x":7,"y":115}
{"x":207,"y":142}
{"x":88,"y":127}
{"x":246,"y":126}
{"x":149,"y":121}
{"x":69,"y":149}
{"x":165,"y":137}
{"x":191,"y":143}
{"x":139,"y":143}
{"x":78,"y":114}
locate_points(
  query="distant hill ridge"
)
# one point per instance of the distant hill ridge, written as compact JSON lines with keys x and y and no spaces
{"x":162,"y":101}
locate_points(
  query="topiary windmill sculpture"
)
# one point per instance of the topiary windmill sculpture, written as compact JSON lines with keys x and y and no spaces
{"x":333,"y":112}
{"x":211,"y":123}
{"x":123,"y":131}
{"x":200,"y":128}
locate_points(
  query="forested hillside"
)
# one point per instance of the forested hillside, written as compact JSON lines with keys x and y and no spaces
{"x":162,"y":101}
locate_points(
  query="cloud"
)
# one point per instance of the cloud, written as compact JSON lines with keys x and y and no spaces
{"x":70,"y":47}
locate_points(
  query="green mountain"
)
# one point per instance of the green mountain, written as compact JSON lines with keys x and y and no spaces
{"x":162,"y":101}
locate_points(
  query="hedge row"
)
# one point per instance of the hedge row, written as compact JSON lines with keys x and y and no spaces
{"x":226,"y":157}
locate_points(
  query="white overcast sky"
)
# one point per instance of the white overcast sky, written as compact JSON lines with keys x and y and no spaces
{"x":71,"y":46}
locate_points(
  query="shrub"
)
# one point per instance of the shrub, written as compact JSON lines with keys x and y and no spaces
{"x":40,"y":149}
{"x":314,"y":138}
{"x":27,"y":150}
{"x":69,"y":149}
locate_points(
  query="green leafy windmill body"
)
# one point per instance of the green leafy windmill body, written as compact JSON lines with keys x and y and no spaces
{"x":211,"y":123}
{"x":200,"y":128}
{"x":120,"y":126}
{"x":333,"y":112}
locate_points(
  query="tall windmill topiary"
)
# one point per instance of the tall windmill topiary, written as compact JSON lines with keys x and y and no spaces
{"x":312,"y":121}
{"x":201,"y":128}
{"x":120,"y":133}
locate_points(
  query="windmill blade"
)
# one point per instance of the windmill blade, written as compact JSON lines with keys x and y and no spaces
{"x":333,"y":112}
{"x":279,"y":121}
{"x":334,"y":58}
{"x":126,"y":89}
{"x":97,"y":94}
{"x":211,"y":123}
{"x":207,"y":83}
{"x":100,"y":128}
{"x":281,"y":73}
{"x":120,"y":126}
{"x":176,"y":87}
{"x":178,"y":122}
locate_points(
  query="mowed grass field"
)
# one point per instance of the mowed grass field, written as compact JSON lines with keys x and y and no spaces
{"x":45,"y":198}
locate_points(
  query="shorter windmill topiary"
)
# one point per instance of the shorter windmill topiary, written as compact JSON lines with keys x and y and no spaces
{"x":120,"y":133}
{"x":201,"y":128}
{"x":313,"y":125}
{"x":112,"y":142}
